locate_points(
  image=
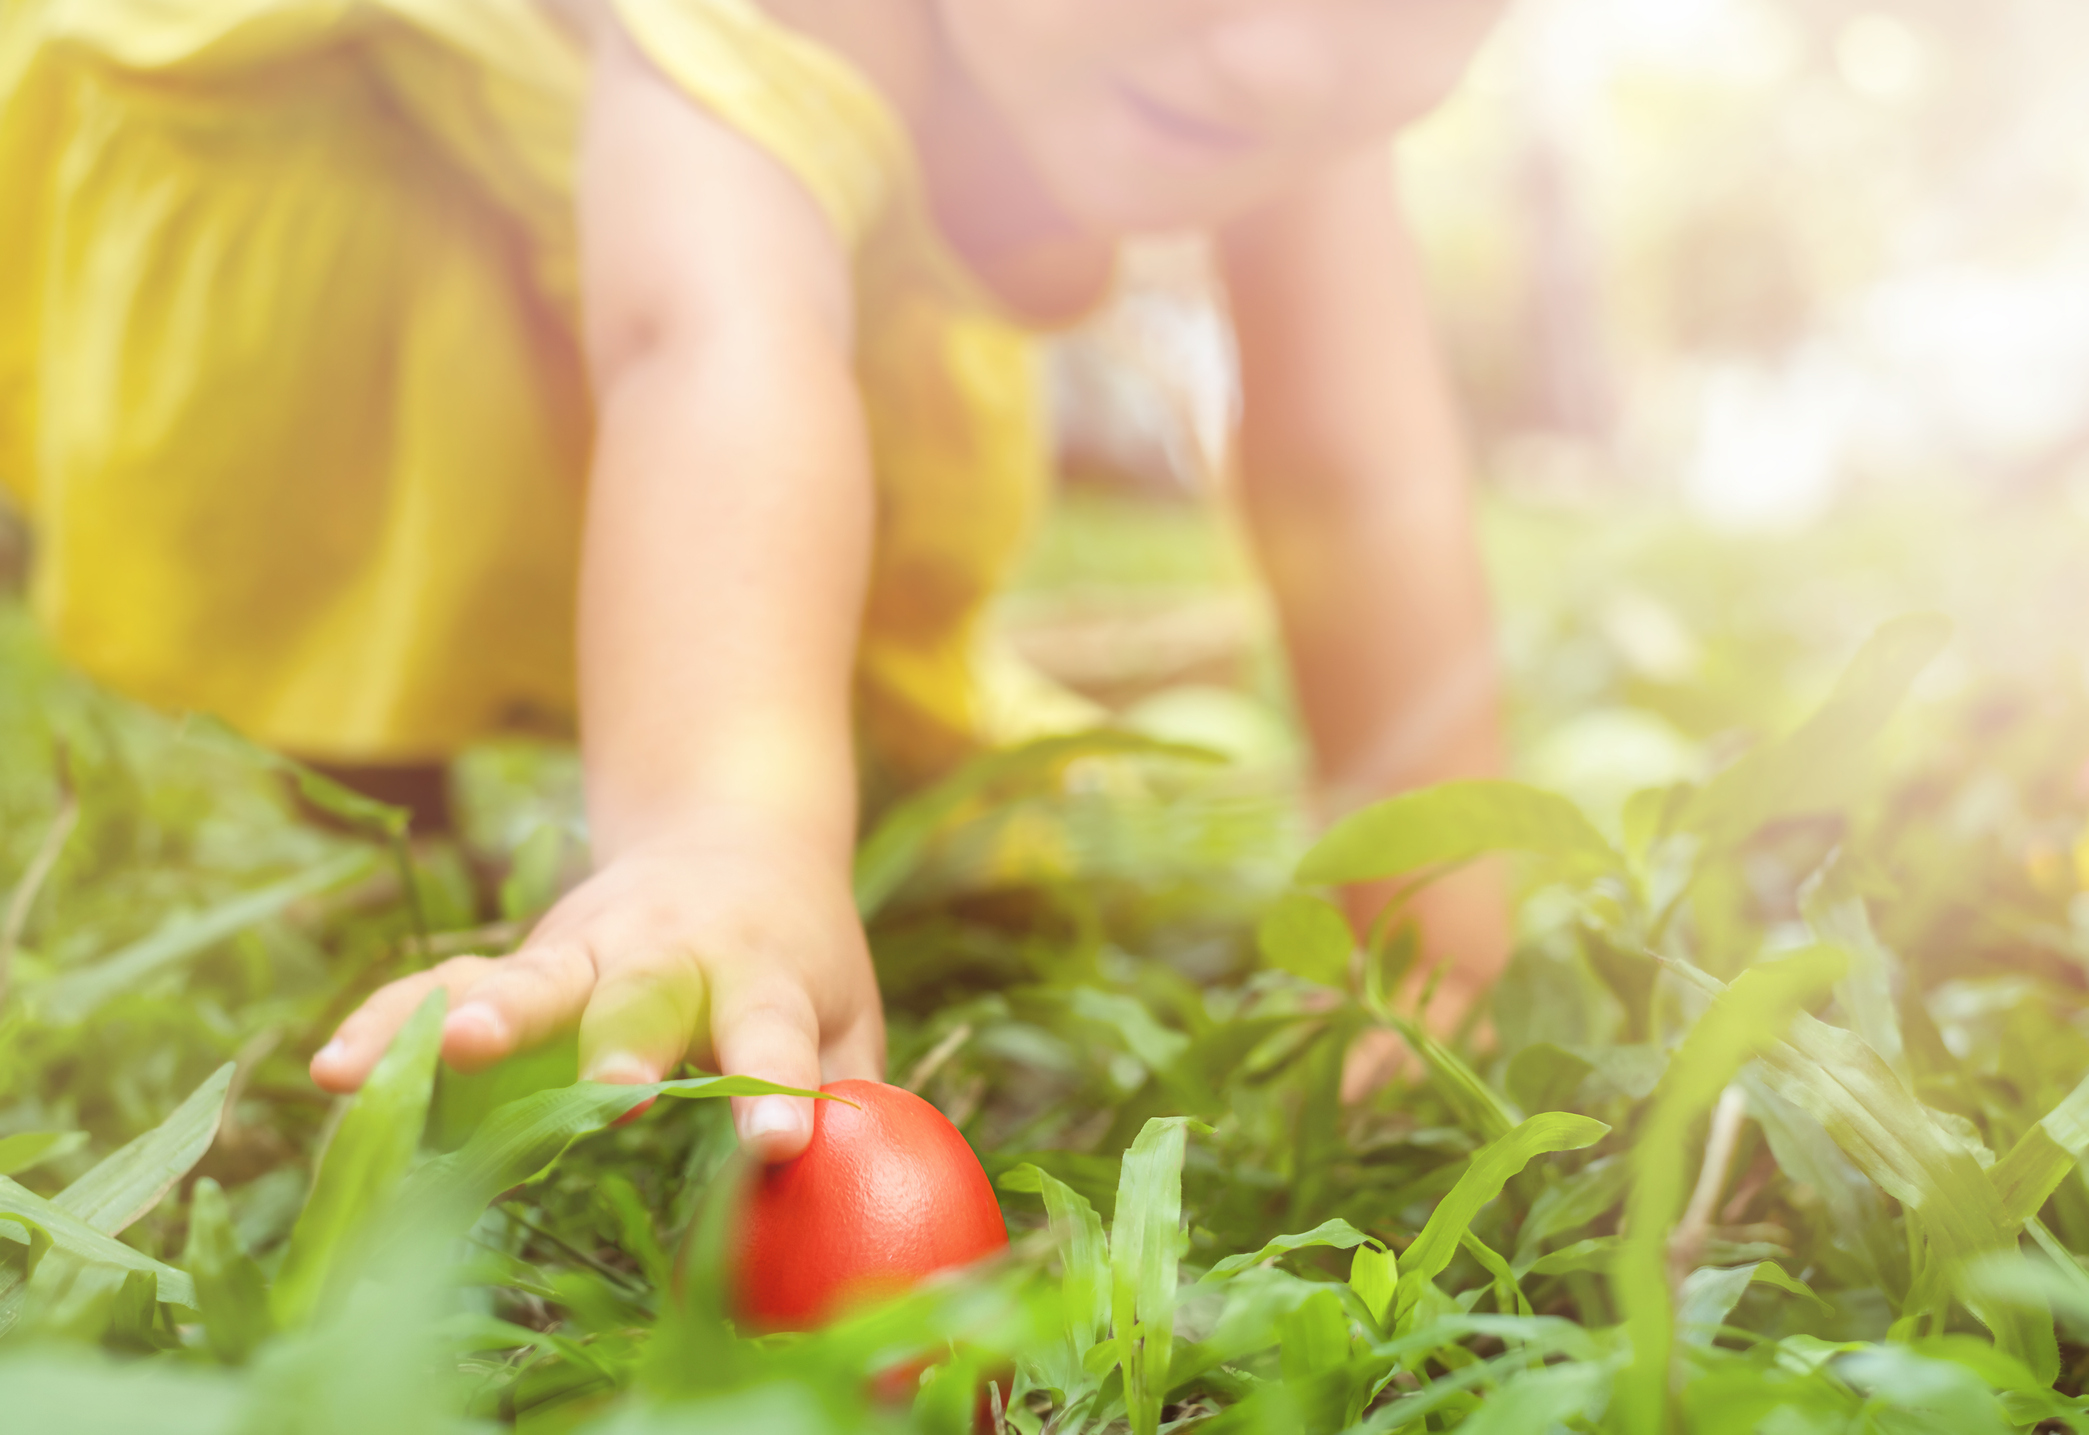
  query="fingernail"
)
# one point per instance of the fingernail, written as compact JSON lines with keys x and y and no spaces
{"x":770,"y":1116}
{"x":332,"y":1052}
{"x":478,"y":1020}
{"x":620,"y":1068}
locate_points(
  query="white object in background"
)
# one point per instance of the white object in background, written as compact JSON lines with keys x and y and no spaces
{"x":1772,"y":439}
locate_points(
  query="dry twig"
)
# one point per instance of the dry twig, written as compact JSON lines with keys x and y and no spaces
{"x":38,"y":872}
{"x":1688,"y":1239}
{"x":941,"y":1052}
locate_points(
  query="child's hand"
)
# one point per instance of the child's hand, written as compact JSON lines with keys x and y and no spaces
{"x":1465,"y":930}
{"x":728,"y":943}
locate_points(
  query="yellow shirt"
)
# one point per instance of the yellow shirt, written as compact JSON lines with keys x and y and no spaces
{"x":288,"y":375}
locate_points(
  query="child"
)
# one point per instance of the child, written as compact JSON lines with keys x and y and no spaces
{"x":299,"y":337}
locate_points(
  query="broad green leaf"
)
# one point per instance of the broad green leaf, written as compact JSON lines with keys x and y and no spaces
{"x":80,"y":1391}
{"x":33,"y":1148}
{"x":1997,"y":1370}
{"x":77,"y":995}
{"x":1821,"y":765}
{"x":521,"y":1141}
{"x":1783,"y":1389}
{"x":1532,"y":1339}
{"x":1250,"y":1310}
{"x":1835,"y":909}
{"x":1308,"y":937}
{"x":364,"y":1164}
{"x":1597,"y":1253}
{"x":1084,"y":1262}
{"x":1145,"y":1246}
{"x":95,"y":1301}
{"x":1477,"y":1104}
{"x":1650,"y":814}
{"x":1508,"y":1295}
{"x":1337,"y":1234}
{"x":35,"y":1237}
{"x":1545,"y":1077}
{"x":20,"y":1209}
{"x":1709,"y":1295}
{"x":1313,"y":1336}
{"x":1541,"y":1399}
{"x":1490,"y":1169}
{"x":638,"y":1232}
{"x":352,"y":808}
{"x":2059,"y":1283}
{"x":18,"y":1263}
{"x":1374,"y":1275}
{"x":130,"y":1181}
{"x":1743,"y":1020}
{"x":469,"y":1331}
{"x":2038,"y":1162}
{"x":231,"y":1292}
{"x":1941,"y":1396}
{"x":1868,"y":1251}
{"x":1571,"y":1204}
{"x":1156,"y":1047}
{"x":1316,"y":1121}
{"x":464,"y":1100}
{"x":1455,"y":823}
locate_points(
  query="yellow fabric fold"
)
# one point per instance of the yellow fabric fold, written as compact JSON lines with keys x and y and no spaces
{"x":289,"y":385}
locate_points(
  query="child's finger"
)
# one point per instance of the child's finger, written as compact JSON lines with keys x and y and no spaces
{"x":525,"y":998}
{"x":641,"y":1020}
{"x":1375,"y":1059}
{"x":763,"y":1024}
{"x":858,"y":1053}
{"x":346,"y":1061}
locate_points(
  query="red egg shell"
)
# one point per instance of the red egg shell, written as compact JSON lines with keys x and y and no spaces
{"x":886,"y":1193}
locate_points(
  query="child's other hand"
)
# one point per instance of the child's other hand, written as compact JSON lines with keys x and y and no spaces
{"x":1465,"y":930}
{"x":726,"y":942}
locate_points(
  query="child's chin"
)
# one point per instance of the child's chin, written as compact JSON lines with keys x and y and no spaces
{"x":1130,"y":199}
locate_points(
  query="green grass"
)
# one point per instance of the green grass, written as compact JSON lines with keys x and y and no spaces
{"x":1780,"y":1129}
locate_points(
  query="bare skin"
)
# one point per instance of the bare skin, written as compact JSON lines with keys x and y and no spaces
{"x":721,"y":791}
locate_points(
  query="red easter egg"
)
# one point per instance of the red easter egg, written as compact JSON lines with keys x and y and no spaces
{"x":887,"y":1192}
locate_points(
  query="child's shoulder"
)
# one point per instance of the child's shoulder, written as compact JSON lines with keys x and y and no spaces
{"x":890,"y":41}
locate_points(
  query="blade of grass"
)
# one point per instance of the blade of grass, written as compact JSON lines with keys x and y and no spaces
{"x":1453,"y":823}
{"x":76,"y":996}
{"x":1337,"y":1234}
{"x":231,"y":1292}
{"x":2037,"y":1164}
{"x":1823,"y":763}
{"x":1145,"y":1247}
{"x":362,"y":1169}
{"x":1744,"y":1019}
{"x":1084,"y":1262}
{"x":1837,"y":1078}
{"x":1836,"y":911}
{"x":130,"y":1181}
{"x":33,"y":1148}
{"x":519,"y":1142}
{"x":1491,"y":1169}
{"x":73,"y":1236}
{"x":890,"y":853}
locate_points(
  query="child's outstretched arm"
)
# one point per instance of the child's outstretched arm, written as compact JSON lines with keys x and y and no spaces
{"x":728,"y":536}
{"x":1354,"y":482}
